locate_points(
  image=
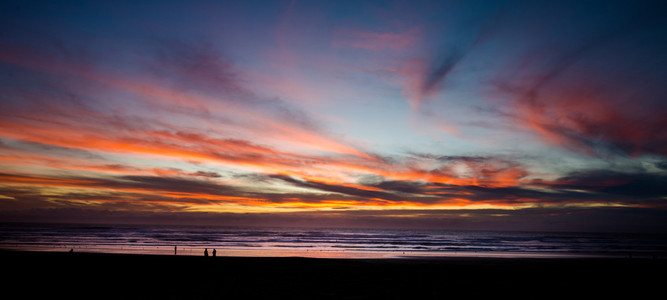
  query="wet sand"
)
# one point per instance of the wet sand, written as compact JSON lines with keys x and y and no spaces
{"x":55,"y":275}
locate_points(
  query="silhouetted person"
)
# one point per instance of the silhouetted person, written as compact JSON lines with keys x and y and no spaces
{"x":174,"y":250}
{"x":213,"y":252}
{"x":205,"y":251}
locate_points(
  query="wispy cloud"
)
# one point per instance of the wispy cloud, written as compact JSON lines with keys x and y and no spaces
{"x":565,"y":96}
{"x":234,"y":115}
{"x":376,"y":41}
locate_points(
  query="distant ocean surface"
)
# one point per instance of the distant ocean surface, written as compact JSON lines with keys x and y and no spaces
{"x":319,"y":242}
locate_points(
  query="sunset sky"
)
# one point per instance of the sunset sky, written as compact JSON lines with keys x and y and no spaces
{"x":524,"y":115}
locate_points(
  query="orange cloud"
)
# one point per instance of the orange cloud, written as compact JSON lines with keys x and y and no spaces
{"x":330,"y":176}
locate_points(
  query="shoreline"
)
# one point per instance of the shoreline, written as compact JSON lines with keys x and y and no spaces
{"x":343,"y":254}
{"x":137,"y":276}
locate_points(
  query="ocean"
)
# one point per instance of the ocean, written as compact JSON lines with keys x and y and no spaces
{"x":324,"y":242}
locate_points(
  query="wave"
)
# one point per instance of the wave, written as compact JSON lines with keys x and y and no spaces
{"x":123,"y":238}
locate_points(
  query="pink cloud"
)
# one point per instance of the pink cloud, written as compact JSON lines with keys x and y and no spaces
{"x":376,"y":41}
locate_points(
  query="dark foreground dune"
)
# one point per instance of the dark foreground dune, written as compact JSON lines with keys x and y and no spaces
{"x":48,"y":275}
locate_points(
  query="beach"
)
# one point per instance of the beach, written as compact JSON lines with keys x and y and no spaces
{"x":45,"y":275}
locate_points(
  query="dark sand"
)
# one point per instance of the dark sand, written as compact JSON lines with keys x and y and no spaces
{"x":50,"y":275}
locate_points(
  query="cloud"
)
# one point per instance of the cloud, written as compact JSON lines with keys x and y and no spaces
{"x":538,"y":219}
{"x":428,"y":73}
{"x":366,"y":195}
{"x":175,"y":123}
{"x":127,"y":182}
{"x":438,"y":72}
{"x":565,"y":92}
{"x":195,"y":85}
{"x":193,"y":66}
{"x":407,"y":187}
{"x":376,"y":41}
{"x":205,"y":189}
{"x":636,"y":186}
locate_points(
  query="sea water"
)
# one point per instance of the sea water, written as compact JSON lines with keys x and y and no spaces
{"x":323,"y":242}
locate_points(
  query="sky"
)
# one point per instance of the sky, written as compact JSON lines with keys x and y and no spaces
{"x":459,"y":115}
